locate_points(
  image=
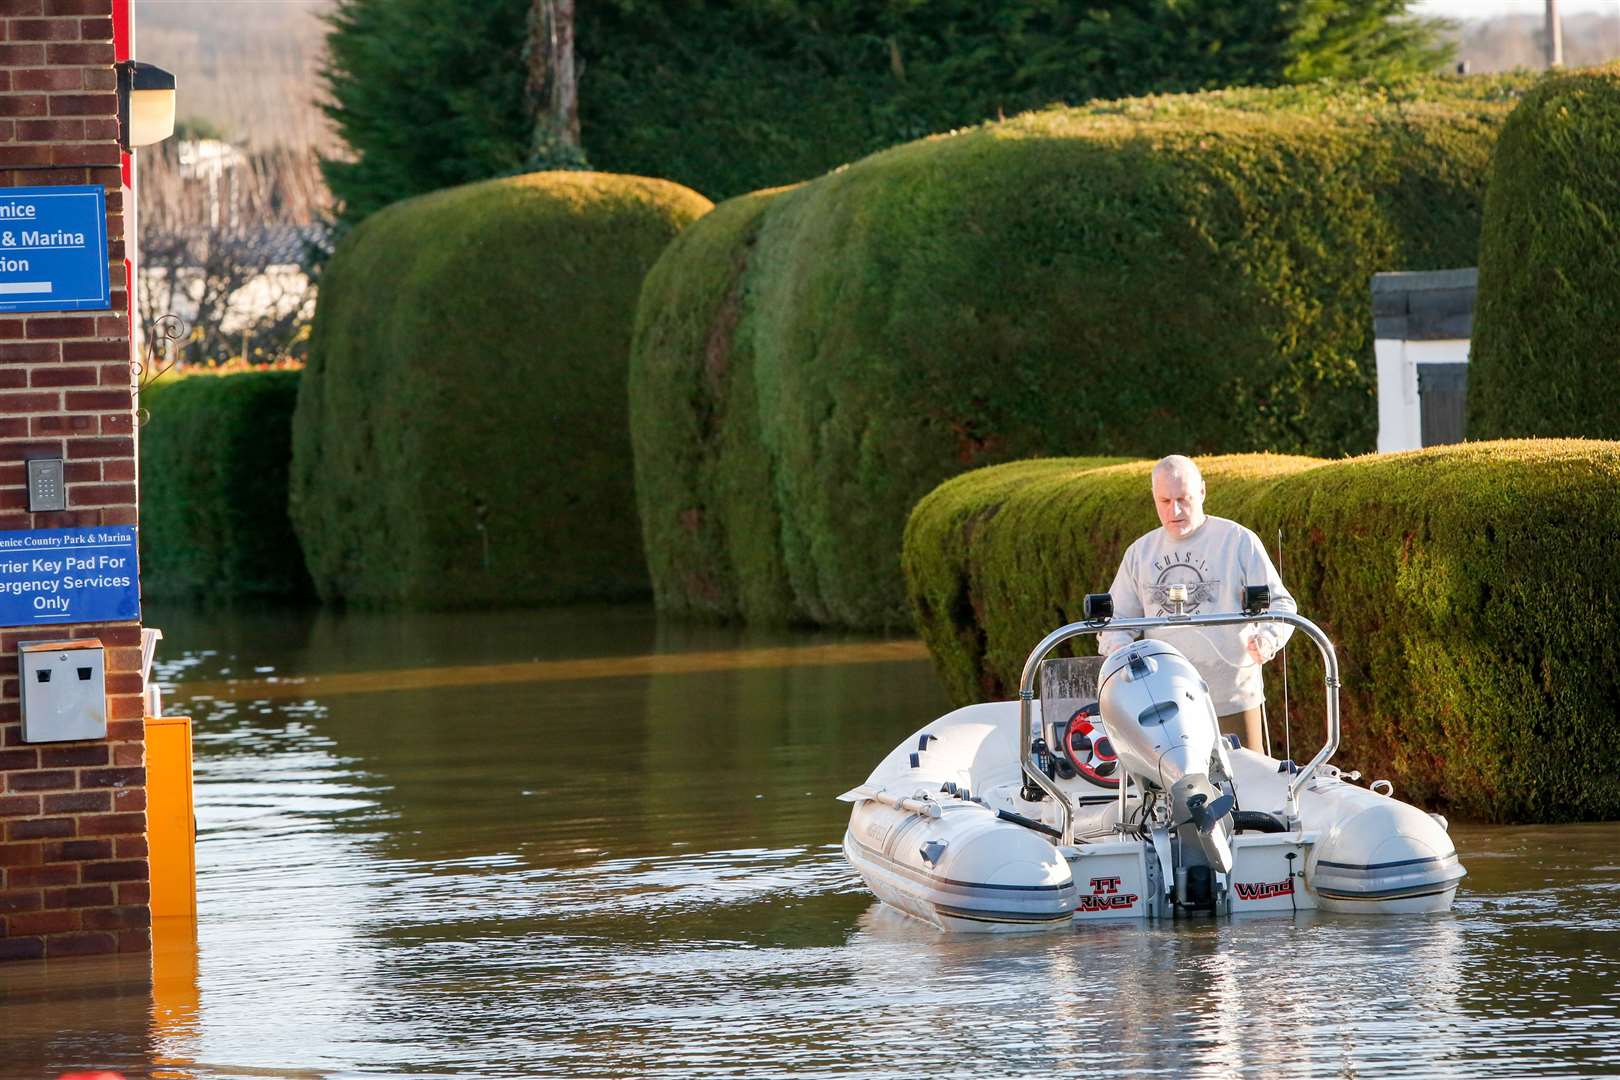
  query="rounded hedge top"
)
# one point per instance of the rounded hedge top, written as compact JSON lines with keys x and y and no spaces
{"x":461,"y":434}
{"x":1546,"y":348}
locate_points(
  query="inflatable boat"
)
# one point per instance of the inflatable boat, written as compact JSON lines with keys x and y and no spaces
{"x":1113,"y":795}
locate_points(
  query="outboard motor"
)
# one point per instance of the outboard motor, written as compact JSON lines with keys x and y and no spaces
{"x":1162,"y":723}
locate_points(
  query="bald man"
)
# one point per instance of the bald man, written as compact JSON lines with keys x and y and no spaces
{"x":1215,"y":558}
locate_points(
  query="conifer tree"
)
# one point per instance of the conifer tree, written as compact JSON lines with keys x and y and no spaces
{"x":731,"y":95}
{"x":426,"y":94}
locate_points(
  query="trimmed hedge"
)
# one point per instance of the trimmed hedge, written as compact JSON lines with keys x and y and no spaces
{"x":1466,"y":588}
{"x":703,"y":477}
{"x":1133,"y":277}
{"x":1546,"y":348}
{"x":461,"y":435}
{"x":214,"y":453}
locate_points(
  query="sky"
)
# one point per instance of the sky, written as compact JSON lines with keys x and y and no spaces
{"x":1490,"y":9}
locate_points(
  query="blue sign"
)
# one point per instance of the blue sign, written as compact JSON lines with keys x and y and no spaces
{"x":69,"y":576}
{"x":53,"y":249}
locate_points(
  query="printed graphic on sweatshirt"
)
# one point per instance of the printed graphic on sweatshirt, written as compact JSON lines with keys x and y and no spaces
{"x":1182,"y":568}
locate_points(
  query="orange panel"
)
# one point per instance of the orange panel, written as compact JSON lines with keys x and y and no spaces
{"x":171,"y":824}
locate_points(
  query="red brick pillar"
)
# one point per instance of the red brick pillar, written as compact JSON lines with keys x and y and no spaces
{"x":73,"y":868}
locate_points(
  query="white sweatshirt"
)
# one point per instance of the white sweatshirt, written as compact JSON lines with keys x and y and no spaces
{"x":1215,"y":563}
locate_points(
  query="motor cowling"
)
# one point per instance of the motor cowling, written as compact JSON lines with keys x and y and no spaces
{"x":1158,"y":712}
{"x":1159,"y":716}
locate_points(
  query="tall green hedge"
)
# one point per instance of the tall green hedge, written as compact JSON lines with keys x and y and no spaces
{"x":461,"y":435}
{"x":1467,"y":590}
{"x":703,"y":477}
{"x":1132,"y":277}
{"x":214,"y":452}
{"x":1546,"y":348}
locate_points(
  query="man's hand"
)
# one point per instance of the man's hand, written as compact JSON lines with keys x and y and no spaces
{"x":1109,"y":641}
{"x":1261,"y":647}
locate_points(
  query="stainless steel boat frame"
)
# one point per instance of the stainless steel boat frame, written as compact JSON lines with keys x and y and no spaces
{"x":1026,"y":692}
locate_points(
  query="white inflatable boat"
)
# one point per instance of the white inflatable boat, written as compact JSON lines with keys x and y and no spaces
{"x":1115,"y":796}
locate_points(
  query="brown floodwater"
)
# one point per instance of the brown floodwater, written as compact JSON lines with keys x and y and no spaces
{"x":582,"y":843}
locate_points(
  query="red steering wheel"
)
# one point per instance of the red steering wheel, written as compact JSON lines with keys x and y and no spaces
{"x":1086,"y":745}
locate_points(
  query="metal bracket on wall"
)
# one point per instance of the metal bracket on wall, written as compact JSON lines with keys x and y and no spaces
{"x":161,"y":333}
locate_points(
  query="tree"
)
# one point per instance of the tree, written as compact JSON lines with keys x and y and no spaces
{"x":427,"y":94}
{"x":553,"y":87}
{"x":735,"y":95}
{"x":223,"y":231}
{"x":732,"y":95}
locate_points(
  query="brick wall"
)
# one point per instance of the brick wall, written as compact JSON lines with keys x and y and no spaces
{"x":73,"y":870}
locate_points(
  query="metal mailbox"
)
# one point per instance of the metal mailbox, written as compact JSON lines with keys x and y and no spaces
{"x":63,"y":689}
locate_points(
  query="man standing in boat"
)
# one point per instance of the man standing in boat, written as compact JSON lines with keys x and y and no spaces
{"x":1215,"y":559}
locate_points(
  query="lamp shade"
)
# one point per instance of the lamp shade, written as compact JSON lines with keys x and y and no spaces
{"x":146,"y":104}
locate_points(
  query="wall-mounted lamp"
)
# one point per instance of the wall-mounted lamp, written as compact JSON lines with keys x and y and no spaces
{"x":145,"y":104}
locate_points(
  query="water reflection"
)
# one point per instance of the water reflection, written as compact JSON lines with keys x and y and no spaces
{"x":1261,"y":996}
{"x":74,"y":1012}
{"x":640,"y":875}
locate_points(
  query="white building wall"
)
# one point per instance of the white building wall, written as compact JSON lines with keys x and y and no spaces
{"x":1399,"y":413}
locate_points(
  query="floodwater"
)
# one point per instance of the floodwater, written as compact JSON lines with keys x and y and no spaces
{"x":580,"y":844}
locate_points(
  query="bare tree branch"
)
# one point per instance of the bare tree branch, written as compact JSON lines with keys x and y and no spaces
{"x":222,"y":238}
